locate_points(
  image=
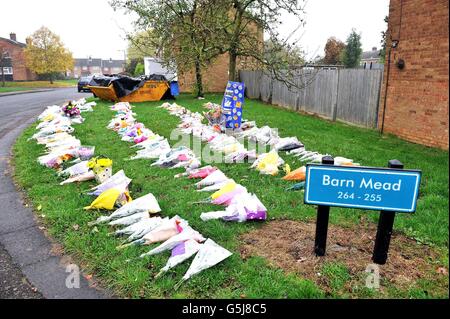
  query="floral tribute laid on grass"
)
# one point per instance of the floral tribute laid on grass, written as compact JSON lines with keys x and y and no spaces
{"x":112,"y":192}
{"x":153,"y":219}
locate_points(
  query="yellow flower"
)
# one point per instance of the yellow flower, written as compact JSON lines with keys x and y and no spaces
{"x":104,"y":162}
{"x":92,"y":162}
{"x":287,"y":168}
{"x":96,"y":163}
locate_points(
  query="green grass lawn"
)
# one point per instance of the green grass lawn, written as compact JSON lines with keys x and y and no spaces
{"x":62,"y":206}
{"x":29,"y":85}
{"x":7,"y":89}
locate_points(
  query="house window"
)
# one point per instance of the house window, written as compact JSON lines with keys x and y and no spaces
{"x":7,"y":70}
{"x":84,"y":68}
{"x":6,"y":55}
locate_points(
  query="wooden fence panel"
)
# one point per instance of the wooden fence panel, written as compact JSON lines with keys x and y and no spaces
{"x":266,"y":88}
{"x":252,"y":80}
{"x":321,"y":93}
{"x":358,"y":96}
{"x":350,"y":95}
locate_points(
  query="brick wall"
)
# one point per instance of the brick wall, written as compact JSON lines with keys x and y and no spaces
{"x":417,"y":96}
{"x":21,"y":72}
{"x":215,"y":76}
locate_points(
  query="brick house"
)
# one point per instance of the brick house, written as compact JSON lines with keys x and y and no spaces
{"x":14,"y":60}
{"x":371,"y":59}
{"x":90,"y":66}
{"x":215,"y":76}
{"x":416,"y":81}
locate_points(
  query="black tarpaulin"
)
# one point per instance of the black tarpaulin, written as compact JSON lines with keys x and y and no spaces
{"x":124,"y":85}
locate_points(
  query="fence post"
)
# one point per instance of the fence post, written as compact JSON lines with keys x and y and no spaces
{"x":380,"y":83}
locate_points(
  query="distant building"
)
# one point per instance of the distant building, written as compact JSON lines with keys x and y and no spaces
{"x":313,"y":66}
{"x":91,"y":66}
{"x":371,"y":59}
{"x":13,"y":55}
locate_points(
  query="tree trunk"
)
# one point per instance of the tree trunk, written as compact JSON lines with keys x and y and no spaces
{"x":233,"y":52}
{"x":198,"y":77}
{"x":51,"y":78}
{"x":232,"y":67}
{"x":3,"y":73}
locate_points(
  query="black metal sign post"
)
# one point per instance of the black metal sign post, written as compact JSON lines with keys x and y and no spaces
{"x":323,"y":214}
{"x":385,"y":225}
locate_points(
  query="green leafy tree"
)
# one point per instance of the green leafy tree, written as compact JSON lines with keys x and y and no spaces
{"x":384,"y":41}
{"x":352,"y":54}
{"x":243,"y":26}
{"x":290,"y":57}
{"x":183,"y":31}
{"x":3,"y":59}
{"x":45,"y":54}
{"x":130,"y":65}
{"x":139,"y":70}
{"x":142,"y":44}
{"x":192,"y":33}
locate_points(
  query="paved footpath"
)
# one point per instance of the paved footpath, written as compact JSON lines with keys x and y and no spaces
{"x":30,"y":266}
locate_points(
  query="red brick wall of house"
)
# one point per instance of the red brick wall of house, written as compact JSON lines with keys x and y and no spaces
{"x":215,"y":76}
{"x":418,"y":96}
{"x":21,"y":72}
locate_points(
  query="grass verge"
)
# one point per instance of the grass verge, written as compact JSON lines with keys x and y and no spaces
{"x":40,"y":84}
{"x":62,"y":206}
{"x":13,"y":89}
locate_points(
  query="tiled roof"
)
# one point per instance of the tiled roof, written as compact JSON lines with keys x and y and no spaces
{"x":370,"y":55}
{"x":113,"y":63}
{"x":88,"y":62}
{"x":23,"y":45}
{"x":100,"y":63}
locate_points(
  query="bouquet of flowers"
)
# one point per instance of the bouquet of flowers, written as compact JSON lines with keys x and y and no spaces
{"x":214,"y":114}
{"x":102,"y":168}
{"x":71,"y":110}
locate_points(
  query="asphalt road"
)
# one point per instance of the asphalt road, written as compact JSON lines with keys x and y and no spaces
{"x":29,"y":266}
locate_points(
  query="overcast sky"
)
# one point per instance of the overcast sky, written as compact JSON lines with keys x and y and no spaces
{"x":92,"y":28}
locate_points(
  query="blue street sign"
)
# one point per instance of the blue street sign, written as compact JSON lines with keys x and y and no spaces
{"x":362,"y":187}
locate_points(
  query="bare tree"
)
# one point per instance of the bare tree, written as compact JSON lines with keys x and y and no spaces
{"x":3,"y":57}
{"x":185,"y":31}
{"x":246,"y":24}
{"x":192,"y":33}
